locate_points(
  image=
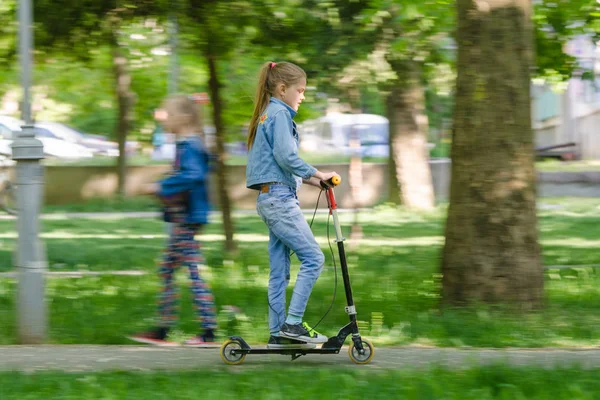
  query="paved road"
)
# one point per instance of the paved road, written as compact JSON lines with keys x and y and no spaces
{"x":142,"y":358}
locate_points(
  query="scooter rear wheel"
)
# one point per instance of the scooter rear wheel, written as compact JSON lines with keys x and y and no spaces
{"x":227,"y":353}
{"x":361,"y":358}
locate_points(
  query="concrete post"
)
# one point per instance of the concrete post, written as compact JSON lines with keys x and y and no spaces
{"x":30,"y":256}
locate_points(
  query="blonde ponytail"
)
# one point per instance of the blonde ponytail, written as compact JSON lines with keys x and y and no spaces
{"x":271,"y":75}
{"x":263,"y":96}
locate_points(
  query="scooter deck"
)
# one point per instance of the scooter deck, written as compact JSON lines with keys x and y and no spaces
{"x":263,"y":349}
{"x":294,"y":353}
{"x":324,"y":348}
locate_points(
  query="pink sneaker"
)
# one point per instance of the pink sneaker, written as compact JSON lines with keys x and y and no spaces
{"x":202,"y":341}
{"x":152,"y":337}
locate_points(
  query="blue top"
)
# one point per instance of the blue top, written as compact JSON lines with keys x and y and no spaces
{"x":189,"y":179}
{"x":158,"y":136}
{"x":274,"y":154}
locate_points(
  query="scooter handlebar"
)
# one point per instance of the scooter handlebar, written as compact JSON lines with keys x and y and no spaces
{"x":336,"y":180}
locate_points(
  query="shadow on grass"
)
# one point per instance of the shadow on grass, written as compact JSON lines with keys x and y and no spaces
{"x":401,"y":309}
{"x":395,"y":286}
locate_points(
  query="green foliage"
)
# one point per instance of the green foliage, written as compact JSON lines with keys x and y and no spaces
{"x":361,"y":43}
{"x":8,"y":32}
{"x":556,"y":22}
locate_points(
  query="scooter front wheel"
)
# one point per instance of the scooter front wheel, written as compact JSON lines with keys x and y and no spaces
{"x":361,"y":357}
{"x":229,"y":354}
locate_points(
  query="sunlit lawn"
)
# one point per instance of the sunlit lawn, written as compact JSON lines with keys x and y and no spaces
{"x":142,"y":159}
{"x":394,"y":273}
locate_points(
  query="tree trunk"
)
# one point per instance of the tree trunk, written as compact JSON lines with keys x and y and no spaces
{"x":409,"y":140}
{"x":393,"y":186}
{"x":125,"y":106}
{"x":491,"y":253}
{"x":215,"y":87}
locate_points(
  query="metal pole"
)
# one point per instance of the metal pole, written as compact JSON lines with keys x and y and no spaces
{"x":28,"y":151}
{"x":25,"y":49}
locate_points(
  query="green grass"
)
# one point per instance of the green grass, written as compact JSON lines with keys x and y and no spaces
{"x":442,"y":150}
{"x":491,"y":382}
{"x":393,"y":270}
{"x":114,"y":204}
{"x":567,"y":166}
{"x":141,"y":159}
{"x":99,"y":161}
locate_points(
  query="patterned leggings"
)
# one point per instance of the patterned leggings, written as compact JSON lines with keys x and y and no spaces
{"x":184,"y":249}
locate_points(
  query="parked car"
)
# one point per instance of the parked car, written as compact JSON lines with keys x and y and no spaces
{"x":53,"y":146}
{"x":6,"y":135}
{"x":99,"y":144}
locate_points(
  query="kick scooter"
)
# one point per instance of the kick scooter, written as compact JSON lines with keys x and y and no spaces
{"x":361,"y":351}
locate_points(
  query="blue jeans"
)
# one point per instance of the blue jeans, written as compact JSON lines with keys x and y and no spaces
{"x":288,"y":230}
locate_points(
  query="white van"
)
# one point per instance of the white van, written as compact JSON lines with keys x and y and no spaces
{"x":332,"y":133}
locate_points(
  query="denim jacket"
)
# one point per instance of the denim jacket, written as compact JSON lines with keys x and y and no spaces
{"x":189,"y":180}
{"x":274,"y":155}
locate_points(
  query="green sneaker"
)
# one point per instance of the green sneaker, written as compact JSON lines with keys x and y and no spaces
{"x":314,"y":333}
{"x":300,"y":332}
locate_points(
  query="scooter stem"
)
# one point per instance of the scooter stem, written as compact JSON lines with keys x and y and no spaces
{"x":333,"y":211}
{"x":350,"y":309}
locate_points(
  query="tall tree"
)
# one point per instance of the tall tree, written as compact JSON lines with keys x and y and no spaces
{"x":492,"y":252}
{"x":112,"y":23}
{"x":399,"y":43}
{"x":416,"y":36}
{"x":214,"y":28}
{"x":79,"y":28}
{"x":353,"y":39}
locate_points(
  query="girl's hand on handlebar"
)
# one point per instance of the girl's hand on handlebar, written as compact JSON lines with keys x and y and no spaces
{"x":325,"y":176}
{"x":313,"y":182}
